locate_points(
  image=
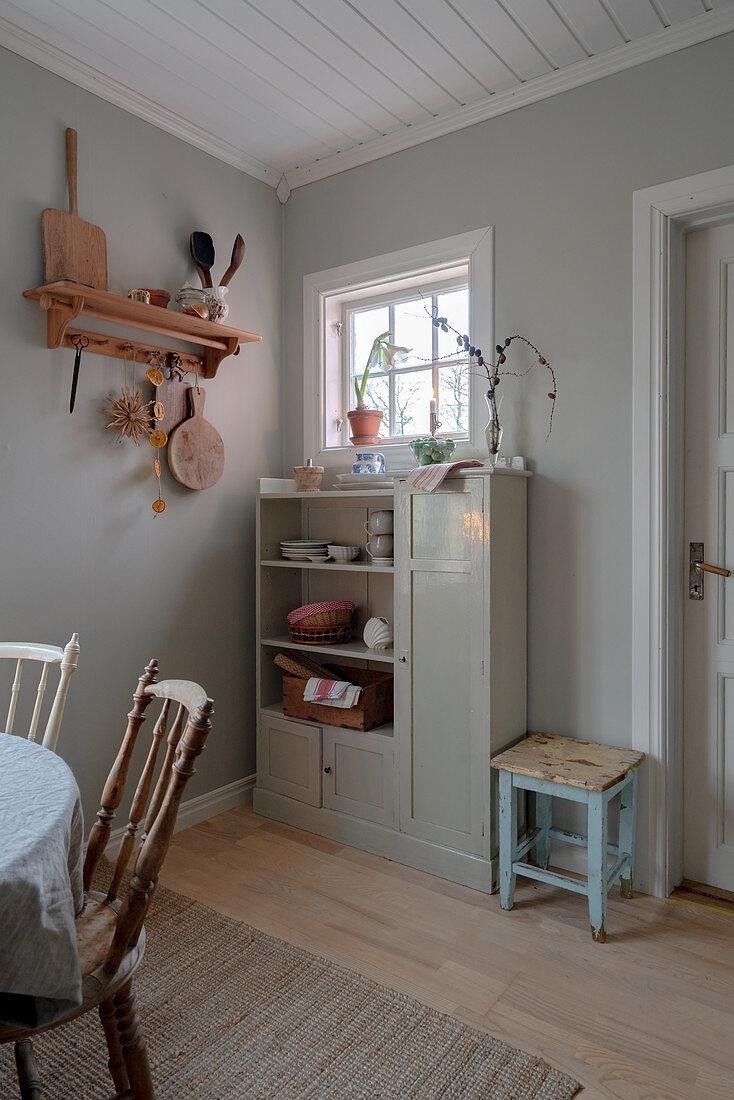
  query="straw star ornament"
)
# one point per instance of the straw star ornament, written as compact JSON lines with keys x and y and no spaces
{"x":130,"y":415}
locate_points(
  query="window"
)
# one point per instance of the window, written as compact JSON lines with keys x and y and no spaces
{"x":346,"y":307}
{"x":434,"y":370}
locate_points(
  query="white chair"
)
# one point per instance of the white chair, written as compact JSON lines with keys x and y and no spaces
{"x":49,"y":655}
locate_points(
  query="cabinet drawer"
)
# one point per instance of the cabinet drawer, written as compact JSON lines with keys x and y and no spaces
{"x":290,"y":759}
{"x":358,"y":775}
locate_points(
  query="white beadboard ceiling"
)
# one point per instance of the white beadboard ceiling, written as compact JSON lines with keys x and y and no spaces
{"x":308,"y":88}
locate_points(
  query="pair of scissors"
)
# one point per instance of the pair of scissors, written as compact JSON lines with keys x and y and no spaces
{"x":80,"y":342}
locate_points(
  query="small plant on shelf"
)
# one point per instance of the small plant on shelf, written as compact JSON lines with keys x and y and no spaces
{"x":364,"y":423}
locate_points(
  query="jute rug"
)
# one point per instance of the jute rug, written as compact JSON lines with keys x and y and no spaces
{"x":230,"y":1013}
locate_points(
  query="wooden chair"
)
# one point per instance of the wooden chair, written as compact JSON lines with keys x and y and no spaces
{"x":66,"y":658}
{"x":110,"y":933}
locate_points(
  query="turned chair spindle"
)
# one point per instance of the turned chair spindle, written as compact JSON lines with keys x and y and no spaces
{"x":110,"y":932}
{"x":66,"y":659}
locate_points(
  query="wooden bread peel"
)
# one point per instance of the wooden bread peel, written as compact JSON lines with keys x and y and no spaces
{"x":73,"y":250}
{"x":195,"y":448}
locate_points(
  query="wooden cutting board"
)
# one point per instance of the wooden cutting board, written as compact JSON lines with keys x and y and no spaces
{"x":73,"y":250}
{"x":172,"y":395}
{"x":195,"y":447}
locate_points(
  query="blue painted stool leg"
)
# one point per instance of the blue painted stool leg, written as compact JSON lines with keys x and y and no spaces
{"x":627,"y":829}
{"x":543,"y":821}
{"x":597,"y":865}
{"x":508,"y":838}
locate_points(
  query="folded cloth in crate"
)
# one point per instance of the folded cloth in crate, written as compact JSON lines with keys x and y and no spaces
{"x":331,"y":693}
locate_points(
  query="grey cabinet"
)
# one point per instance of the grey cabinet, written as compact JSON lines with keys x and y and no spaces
{"x":420,"y":791}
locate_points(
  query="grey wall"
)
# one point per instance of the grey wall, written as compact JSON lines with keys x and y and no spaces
{"x":80,"y":546}
{"x":556,"y":180}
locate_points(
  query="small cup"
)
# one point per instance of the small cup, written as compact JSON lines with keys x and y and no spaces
{"x":380,"y":546}
{"x":380,"y":523}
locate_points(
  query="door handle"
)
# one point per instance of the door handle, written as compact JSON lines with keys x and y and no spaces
{"x":713,"y":569}
{"x":697,"y":567}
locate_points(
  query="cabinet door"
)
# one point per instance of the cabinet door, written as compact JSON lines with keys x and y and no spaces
{"x":442,"y":712}
{"x":358,"y":774}
{"x":290,"y":759}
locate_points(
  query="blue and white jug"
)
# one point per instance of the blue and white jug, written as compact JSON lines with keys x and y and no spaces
{"x":369,"y":462}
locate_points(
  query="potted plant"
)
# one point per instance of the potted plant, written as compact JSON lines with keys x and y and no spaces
{"x":364,"y":423}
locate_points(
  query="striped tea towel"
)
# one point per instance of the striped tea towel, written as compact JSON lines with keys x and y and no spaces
{"x":331,"y":693}
{"x":426,"y":479}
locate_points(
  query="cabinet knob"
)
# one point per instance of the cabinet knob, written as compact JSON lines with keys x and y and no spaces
{"x":403,"y":660}
{"x":327,"y":770}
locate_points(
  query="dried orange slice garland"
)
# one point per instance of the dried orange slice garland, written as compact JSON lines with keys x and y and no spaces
{"x":158,"y":439}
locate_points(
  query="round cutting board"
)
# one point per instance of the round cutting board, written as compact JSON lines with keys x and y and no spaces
{"x":195,"y":448}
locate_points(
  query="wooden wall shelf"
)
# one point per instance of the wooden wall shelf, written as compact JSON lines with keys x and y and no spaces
{"x":64,"y":302}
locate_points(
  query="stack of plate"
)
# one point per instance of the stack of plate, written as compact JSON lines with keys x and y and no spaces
{"x":352,"y":482}
{"x":305,"y":549}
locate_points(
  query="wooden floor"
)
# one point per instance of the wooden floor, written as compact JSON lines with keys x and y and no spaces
{"x":649,"y":1014}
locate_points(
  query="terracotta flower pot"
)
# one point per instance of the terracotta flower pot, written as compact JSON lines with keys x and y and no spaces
{"x":364,"y":424}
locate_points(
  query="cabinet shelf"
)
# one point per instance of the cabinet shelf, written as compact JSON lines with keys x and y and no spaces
{"x":276,"y":710}
{"x":332,"y":566}
{"x":65,"y":301}
{"x":355,"y":649}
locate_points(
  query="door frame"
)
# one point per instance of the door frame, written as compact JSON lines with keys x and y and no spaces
{"x":662,"y":216}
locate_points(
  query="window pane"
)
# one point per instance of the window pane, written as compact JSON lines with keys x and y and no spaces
{"x":453,"y":398}
{"x":413,"y":329}
{"x":377,"y":396}
{"x":412,"y":403}
{"x":454,"y":306}
{"x":366,"y":325}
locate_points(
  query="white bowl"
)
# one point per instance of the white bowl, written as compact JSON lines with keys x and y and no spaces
{"x":344,"y":553}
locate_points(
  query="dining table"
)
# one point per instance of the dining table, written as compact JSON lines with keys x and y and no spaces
{"x":41,"y":891}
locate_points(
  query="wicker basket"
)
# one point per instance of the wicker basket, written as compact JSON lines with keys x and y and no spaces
{"x":322,"y":623}
{"x":320,"y":635}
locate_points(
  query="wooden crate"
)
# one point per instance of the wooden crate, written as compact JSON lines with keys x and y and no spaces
{"x":374,"y":708}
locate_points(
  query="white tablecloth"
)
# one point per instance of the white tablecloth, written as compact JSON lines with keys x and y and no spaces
{"x":41,"y":850}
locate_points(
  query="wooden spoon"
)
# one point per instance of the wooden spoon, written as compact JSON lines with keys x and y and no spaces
{"x":238,"y":255}
{"x":202,"y":252}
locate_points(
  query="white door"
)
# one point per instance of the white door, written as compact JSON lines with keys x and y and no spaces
{"x":442,"y":722}
{"x":708,"y":685}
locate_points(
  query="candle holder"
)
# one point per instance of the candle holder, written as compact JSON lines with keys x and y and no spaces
{"x":435,"y":423}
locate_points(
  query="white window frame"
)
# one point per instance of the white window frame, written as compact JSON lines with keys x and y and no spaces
{"x":323,"y":293}
{"x":351,"y":306}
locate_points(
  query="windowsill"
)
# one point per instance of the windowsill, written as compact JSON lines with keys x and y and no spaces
{"x":398,"y":456}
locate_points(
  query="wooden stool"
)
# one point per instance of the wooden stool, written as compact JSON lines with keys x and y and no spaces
{"x":582,"y":772}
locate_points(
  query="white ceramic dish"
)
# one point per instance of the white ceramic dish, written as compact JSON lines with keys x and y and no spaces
{"x":364,"y":479}
{"x":304,"y":544}
{"x":365,"y":488}
{"x":344,"y":553}
{"x":318,"y":557}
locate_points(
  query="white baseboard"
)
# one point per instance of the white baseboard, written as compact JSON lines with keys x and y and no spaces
{"x":198,"y":809}
{"x":469,"y":870}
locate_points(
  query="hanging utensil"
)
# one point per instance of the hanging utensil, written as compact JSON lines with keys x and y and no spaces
{"x":80,"y":342}
{"x":202,"y":253}
{"x":238,"y":255}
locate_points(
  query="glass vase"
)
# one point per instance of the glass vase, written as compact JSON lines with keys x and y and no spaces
{"x":493,"y":429}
